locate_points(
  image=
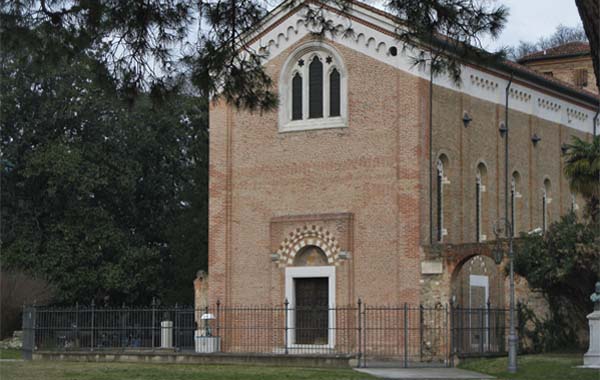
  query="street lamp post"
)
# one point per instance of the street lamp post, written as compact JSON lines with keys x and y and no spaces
{"x":498,"y":254}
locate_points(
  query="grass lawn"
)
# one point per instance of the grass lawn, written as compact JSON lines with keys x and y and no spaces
{"x":10,"y":353}
{"x":55,"y":370}
{"x":535,"y":367}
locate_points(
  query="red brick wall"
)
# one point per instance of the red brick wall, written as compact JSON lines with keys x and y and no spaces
{"x":376,"y":171}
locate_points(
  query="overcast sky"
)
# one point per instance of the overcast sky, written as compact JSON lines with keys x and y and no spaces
{"x":531,"y":19}
{"x":528,"y":20}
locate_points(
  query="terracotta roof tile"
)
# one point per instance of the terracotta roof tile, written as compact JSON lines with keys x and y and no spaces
{"x":571,"y":48}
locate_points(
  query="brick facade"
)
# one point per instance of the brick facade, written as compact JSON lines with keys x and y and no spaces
{"x":364,"y":189}
{"x":567,"y":70}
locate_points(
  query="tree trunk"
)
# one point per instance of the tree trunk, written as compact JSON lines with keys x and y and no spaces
{"x":589,"y":11}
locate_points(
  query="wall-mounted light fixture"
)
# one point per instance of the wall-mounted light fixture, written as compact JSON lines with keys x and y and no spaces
{"x":535,"y":139}
{"x":344,"y":255}
{"x":502,"y":129}
{"x":564,"y":148}
{"x":466,"y":119}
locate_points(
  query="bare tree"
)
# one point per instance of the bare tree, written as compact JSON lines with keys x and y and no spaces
{"x":562,"y":35}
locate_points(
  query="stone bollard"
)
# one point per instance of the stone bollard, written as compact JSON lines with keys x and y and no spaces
{"x":591,"y":359}
{"x":166,"y":334}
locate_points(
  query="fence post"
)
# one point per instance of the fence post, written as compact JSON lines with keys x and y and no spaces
{"x":421,"y":327}
{"x":405,"y":335}
{"x":153,"y":322}
{"x":177,"y":330}
{"x":285,"y":337}
{"x":459,"y":333}
{"x":448,"y":332}
{"x":364,"y":340}
{"x":28,"y":324}
{"x":359,"y":333}
{"x":92,"y":326}
{"x":77,"y":324}
{"x":488,"y":337}
{"x":481,"y":329}
{"x":217,"y":320}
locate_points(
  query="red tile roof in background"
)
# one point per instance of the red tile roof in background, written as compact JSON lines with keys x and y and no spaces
{"x":568,"y":49}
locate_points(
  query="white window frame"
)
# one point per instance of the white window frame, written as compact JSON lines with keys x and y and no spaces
{"x":479,"y":208}
{"x":440,"y":208}
{"x":307,"y":52}
{"x":482,"y":282}
{"x":292,"y":273}
{"x":513,"y":206}
{"x":544,"y":209}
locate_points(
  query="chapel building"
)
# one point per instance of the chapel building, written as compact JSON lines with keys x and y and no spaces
{"x":336,"y":195}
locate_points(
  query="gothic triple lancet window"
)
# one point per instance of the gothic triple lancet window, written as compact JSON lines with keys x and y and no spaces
{"x":312,"y":90}
{"x":310,"y":82}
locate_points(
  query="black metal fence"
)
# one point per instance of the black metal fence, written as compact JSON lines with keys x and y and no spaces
{"x":404,"y":335}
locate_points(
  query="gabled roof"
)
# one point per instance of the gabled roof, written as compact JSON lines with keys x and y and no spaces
{"x":387,"y":23}
{"x":571,"y":49}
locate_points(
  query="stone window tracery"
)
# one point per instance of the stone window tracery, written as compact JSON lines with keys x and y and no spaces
{"x":313,"y":90}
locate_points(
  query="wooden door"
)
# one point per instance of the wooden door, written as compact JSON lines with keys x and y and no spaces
{"x":312,"y":310}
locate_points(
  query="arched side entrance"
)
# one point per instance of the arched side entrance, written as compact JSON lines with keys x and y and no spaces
{"x":479,"y":317}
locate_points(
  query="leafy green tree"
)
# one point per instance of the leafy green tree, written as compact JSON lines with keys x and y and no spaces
{"x":582,"y":168}
{"x":92,"y":190}
{"x":564,"y":264}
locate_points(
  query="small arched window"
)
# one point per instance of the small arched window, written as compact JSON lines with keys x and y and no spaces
{"x":514,"y":195}
{"x":442,"y":164}
{"x":480,"y":179}
{"x":297,"y":97}
{"x":313,"y":90}
{"x":545,"y":201}
{"x":334,"y":93}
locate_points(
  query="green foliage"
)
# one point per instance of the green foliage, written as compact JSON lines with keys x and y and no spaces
{"x":582,"y":168}
{"x":564,"y":264}
{"x":94,"y":194}
{"x":143,"y":43}
{"x":546,"y":335}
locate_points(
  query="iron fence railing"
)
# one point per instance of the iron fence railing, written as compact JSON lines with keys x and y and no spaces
{"x":404,"y":335}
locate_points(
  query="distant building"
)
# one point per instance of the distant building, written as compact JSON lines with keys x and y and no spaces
{"x":570,"y":63}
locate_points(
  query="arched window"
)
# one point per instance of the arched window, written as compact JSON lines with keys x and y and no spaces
{"x":545,"y":201}
{"x":514,"y":194}
{"x":442,"y":163}
{"x":480,"y":179}
{"x":297,"y":97}
{"x":334,"y":93}
{"x":313,"y":89}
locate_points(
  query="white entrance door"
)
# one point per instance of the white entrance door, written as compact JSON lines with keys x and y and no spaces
{"x":311,"y":326}
{"x":478,"y":314}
